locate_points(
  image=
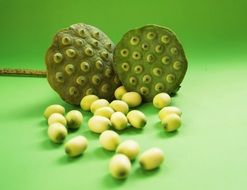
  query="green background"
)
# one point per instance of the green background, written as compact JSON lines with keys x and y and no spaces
{"x":208,"y":152}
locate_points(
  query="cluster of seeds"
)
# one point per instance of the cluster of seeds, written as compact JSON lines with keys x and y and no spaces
{"x":109,"y":118}
{"x":150,"y":60}
{"x":79,"y":62}
{"x":59,"y":124}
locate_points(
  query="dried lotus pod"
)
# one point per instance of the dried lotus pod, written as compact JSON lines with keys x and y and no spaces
{"x":150,"y":60}
{"x":79,"y":62}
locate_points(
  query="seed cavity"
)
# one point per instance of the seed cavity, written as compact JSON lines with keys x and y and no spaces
{"x":116,"y":80}
{"x":99,"y":65}
{"x":105,"y":55}
{"x":165,"y":60}
{"x":159,"y":49}
{"x":73,"y":91}
{"x":165,"y":39}
{"x":85,"y":66}
{"x":136,"y":55}
{"x":105,"y":88}
{"x":157,"y":71}
{"x":150,"y":58}
{"x":138,"y":69}
{"x":69,"y":69}
{"x":89,"y":91}
{"x":96,"y":80}
{"x":125,"y":66}
{"x":144,"y":90}
{"x":177,"y":65}
{"x":170,"y":78}
{"x":145,"y":46}
{"x":151,"y":35}
{"x":81,"y":32}
{"x":89,"y":51}
{"x":108,"y":72}
{"x":79,"y":42}
{"x":133,"y":81}
{"x":59,"y":77}
{"x":81,"y":80}
{"x":174,"y":51}
{"x":147,"y":79}
{"x":124,"y":52}
{"x":159,"y":87}
{"x":95,"y":43}
{"x":66,"y":40}
{"x":70,"y":53}
{"x":134,"y":40}
{"x":96,"y":35}
{"x":109,"y":47}
{"x":57,"y":57}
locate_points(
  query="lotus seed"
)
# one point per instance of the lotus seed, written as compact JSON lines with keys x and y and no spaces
{"x":159,"y":49}
{"x":105,"y":112}
{"x":165,"y":60}
{"x":96,"y":80}
{"x":138,"y":69}
{"x":74,"y":119}
{"x":119,"y":106}
{"x":177,"y":65}
{"x":161,"y":100}
{"x":157,"y":71}
{"x":119,"y":92}
{"x":109,"y":140}
{"x":174,"y":51}
{"x":137,"y":119}
{"x":66,"y":40}
{"x":73,"y":91}
{"x":98,"y":104}
{"x":125,"y":66}
{"x":147,"y":79}
{"x":171,"y":122}
{"x":119,"y":121}
{"x":133,"y":99}
{"x":169,"y":110}
{"x":133,"y":81}
{"x":144,"y":90}
{"x":119,"y":166}
{"x":130,"y":148}
{"x":136,"y":55}
{"x":76,"y":146}
{"x":57,"y":132}
{"x":87,"y":101}
{"x":134,"y":40}
{"x":99,"y":65}
{"x":89,"y":51}
{"x":59,"y":77}
{"x":151,"y":158}
{"x":57,"y":118}
{"x":124,"y":52}
{"x":105,"y":55}
{"x":150,"y":58}
{"x":159,"y":87}
{"x":99,"y":124}
{"x":55,"y":108}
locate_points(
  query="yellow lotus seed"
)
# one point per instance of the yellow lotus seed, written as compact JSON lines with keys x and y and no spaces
{"x":87,"y":101}
{"x":133,"y":99}
{"x":137,"y":119}
{"x":119,"y":105}
{"x":98,"y":104}
{"x":119,"y":92}
{"x":99,"y":124}
{"x":130,"y":148}
{"x":171,"y":122}
{"x":74,"y":119}
{"x":57,"y":118}
{"x":76,"y":146}
{"x":105,"y":112}
{"x":119,"y":166}
{"x":161,"y":100}
{"x":53,"y":109}
{"x":119,"y":121}
{"x":151,"y":158}
{"x":169,"y":110}
{"x":109,"y":140}
{"x":57,"y":132}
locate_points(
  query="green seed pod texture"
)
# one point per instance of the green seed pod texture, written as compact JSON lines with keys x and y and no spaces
{"x":150,"y":60}
{"x":79,"y":63}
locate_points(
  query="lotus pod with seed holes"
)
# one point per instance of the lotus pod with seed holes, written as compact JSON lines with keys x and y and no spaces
{"x":150,"y":60}
{"x":79,"y":62}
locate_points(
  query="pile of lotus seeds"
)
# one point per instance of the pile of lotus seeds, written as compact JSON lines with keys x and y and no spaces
{"x":108,"y":119}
